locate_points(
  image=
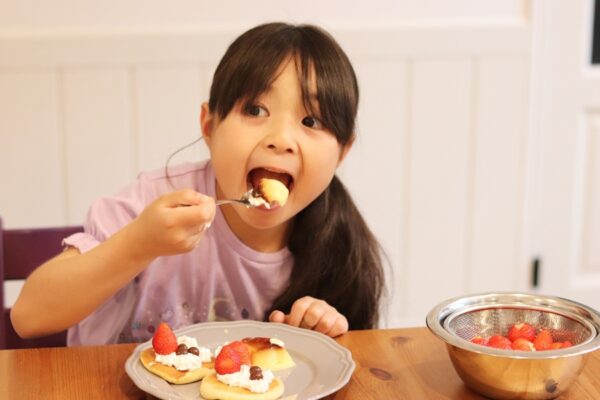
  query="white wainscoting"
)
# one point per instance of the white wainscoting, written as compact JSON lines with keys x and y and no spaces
{"x":438,"y":169}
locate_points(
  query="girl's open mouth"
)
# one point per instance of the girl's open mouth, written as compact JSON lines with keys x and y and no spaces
{"x":257,"y":174}
{"x":271,"y":185}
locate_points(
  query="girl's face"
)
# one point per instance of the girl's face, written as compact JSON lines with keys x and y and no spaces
{"x":277,"y":137}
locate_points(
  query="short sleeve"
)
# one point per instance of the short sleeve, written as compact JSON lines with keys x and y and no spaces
{"x":107,"y":215}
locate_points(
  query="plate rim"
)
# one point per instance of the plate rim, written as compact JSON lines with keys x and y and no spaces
{"x":346,"y":361}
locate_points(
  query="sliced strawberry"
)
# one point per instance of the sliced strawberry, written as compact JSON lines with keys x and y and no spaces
{"x":228,"y":361}
{"x":566,"y":344}
{"x":164,"y":340}
{"x":522,"y":345}
{"x":521,"y":330}
{"x":543,"y":340}
{"x":499,"y":342}
{"x":479,"y":340}
{"x":243,"y":351}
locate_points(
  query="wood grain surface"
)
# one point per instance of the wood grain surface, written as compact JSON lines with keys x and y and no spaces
{"x":390,"y":364}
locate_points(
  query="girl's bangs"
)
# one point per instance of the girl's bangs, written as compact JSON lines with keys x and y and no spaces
{"x":255,"y":59}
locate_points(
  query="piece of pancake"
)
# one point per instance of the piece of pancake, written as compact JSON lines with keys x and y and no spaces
{"x":268,"y":355}
{"x":171,"y":374}
{"x":273,"y":191}
{"x":211,"y":388}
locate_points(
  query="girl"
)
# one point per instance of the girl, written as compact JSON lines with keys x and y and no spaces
{"x":282,"y":105}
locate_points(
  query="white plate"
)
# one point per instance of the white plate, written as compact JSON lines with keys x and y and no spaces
{"x":322,"y":365}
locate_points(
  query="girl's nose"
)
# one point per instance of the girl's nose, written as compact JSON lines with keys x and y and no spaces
{"x":281,"y":140}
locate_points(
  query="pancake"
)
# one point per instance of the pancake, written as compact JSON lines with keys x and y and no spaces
{"x":171,"y":374}
{"x":211,"y":388}
{"x":268,"y":355}
{"x":273,"y":191}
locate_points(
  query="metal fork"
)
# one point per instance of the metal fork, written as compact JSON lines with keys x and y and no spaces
{"x":245,"y":199}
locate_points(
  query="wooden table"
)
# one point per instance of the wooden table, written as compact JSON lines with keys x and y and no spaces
{"x":390,"y":364}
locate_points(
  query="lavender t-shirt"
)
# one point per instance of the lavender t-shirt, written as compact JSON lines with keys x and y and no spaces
{"x":221,"y":279}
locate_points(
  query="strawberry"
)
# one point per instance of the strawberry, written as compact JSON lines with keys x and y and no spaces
{"x":499,"y":342}
{"x":521,"y":330}
{"x":228,"y":361}
{"x":560,"y":345}
{"x":479,"y":340}
{"x":243,"y":351}
{"x":164,"y":340}
{"x":522,"y":345}
{"x":543,"y":340}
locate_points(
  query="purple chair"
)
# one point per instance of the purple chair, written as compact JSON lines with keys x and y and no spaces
{"x":22,"y":251}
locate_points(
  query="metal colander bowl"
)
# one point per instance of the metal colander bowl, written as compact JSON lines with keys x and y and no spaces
{"x":510,"y":374}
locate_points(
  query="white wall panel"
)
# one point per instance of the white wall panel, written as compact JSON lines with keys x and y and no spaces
{"x":591,"y":212}
{"x":31,"y":152}
{"x":440,"y":143}
{"x":100,"y":154}
{"x":375,"y":169}
{"x":498,"y":176}
{"x":167,"y":109}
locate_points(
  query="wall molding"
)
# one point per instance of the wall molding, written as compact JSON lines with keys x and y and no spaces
{"x":118,"y":48}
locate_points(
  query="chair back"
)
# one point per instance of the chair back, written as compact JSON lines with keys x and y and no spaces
{"x":22,"y":251}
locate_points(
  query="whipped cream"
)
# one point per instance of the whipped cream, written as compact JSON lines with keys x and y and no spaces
{"x":187,"y":361}
{"x":242,"y":379}
{"x":258,"y":201}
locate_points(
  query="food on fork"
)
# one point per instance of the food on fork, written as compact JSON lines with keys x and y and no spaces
{"x":273,"y":191}
{"x":178,"y":360}
{"x":235,"y":377}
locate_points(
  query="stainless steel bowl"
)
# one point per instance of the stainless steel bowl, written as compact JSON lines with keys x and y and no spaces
{"x":510,"y":374}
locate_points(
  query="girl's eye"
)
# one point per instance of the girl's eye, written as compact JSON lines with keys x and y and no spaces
{"x":256,"y":110}
{"x":312,"y":122}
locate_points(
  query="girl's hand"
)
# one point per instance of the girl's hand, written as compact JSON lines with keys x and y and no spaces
{"x":315,"y":314}
{"x":172,"y":224}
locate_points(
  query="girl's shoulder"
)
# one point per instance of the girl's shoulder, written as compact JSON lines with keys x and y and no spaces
{"x":174,"y":171}
{"x":195,"y":175}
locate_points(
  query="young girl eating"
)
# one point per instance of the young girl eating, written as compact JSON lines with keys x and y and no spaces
{"x":282,"y":106}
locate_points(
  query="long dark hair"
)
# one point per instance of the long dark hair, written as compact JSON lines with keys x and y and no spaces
{"x":336,"y":257}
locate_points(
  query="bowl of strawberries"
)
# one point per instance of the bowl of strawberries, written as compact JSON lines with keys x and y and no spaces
{"x":510,"y":345}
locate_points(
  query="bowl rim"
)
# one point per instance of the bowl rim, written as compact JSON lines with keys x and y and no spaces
{"x":571,"y":309}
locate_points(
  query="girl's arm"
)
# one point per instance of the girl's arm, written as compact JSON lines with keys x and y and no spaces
{"x":69,"y":287}
{"x":315,"y":314}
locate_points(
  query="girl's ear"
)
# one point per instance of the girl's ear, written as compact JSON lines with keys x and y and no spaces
{"x":206,"y":122}
{"x":346,"y":149}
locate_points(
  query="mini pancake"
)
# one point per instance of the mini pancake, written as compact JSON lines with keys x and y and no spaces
{"x":171,"y":374}
{"x":211,"y":388}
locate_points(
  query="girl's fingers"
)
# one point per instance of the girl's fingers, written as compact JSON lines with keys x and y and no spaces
{"x":327,"y":321}
{"x":298,"y":310}
{"x":196,"y":217}
{"x":277,"y":316}
{"x":340,"y":326}
{"x":311,"y":313}
{"x":185,"y":197}
{"x":314,"y":313}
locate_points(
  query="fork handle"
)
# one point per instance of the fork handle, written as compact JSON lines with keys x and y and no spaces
{"x":221,"y":202}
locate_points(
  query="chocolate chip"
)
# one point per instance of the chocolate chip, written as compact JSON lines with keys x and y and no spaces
{"x":255,"y":373}
{"x":181,"y":349}
{"x":194,"y":350}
